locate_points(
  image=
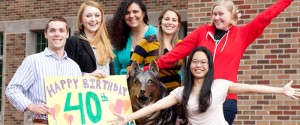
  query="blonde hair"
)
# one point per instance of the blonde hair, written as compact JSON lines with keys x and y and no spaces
{"x":160,"y":36}
{"x":230,"y":7}
{"x":101,"y":40}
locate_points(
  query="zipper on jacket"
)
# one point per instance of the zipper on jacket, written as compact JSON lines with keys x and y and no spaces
{"x":217,"y":42}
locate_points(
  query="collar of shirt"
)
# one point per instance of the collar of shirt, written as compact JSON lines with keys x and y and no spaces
{"x":48,"y":52}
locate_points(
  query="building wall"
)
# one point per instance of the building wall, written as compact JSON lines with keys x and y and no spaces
{"x":273,"y":59}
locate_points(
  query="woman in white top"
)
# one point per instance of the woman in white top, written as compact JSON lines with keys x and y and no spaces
{"x":202,"y":97}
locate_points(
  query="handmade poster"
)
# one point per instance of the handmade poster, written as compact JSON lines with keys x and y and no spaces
{"x":86,"y":100}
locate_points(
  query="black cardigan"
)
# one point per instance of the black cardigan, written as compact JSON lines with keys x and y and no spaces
{"x":82,"y":53}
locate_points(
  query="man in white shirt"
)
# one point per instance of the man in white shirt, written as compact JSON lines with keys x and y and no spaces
{"x":26,"y":90}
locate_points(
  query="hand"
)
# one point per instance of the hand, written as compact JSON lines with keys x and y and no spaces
{"x":97,"y":73}
{"x":41,"y":109}
{"x":239,"y":15}
{"x":121,"y":120}
{"x":291,"y":92}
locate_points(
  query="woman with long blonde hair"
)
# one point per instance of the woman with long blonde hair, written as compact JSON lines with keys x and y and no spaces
{"x":91,"y":48}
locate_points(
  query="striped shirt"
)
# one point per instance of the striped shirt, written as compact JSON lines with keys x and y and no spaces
{"x":27,"y":85}
{"x":146,"y":51}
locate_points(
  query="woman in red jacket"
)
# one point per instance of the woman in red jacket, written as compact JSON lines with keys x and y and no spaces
{"x":226,"y":41}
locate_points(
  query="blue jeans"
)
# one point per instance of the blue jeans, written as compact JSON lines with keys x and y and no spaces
{"x":230,"y":110}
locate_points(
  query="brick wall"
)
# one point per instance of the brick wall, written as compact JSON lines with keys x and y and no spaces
{"x":15,"y":53}
{"x":33,"y":9}
{"x":273,"y":59}
{"x":20,"y":17}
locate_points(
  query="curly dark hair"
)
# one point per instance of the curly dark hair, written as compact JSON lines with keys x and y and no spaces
{"x":118,"y":29}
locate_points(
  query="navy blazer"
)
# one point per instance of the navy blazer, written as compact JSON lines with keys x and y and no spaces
{"x":82,"y":53}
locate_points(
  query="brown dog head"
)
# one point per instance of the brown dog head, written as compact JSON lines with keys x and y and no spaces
{"x":144,"y":86}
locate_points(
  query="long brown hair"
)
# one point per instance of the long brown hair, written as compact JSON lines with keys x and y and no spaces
{"x":160,"y":36}
{"x":101,"y":40}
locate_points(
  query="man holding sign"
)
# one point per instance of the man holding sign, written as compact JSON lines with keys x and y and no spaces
{"x":26,"y":90}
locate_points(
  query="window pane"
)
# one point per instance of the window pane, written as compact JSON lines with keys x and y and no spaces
{"x":1,"y":67}
{"x":1,"y":44}
{"x":41,"y":42}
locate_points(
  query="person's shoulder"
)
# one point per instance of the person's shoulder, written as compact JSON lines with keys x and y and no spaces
{"x":207,"y":26}
{"x":34,"y":58}
{"x":36,"y":55}
{"x":179,"y":89}
{"x":221,"y":81}
{"x":71,"y":61}
{"x":151,"y":38}
{"x":149,"y":41}
{"x":204,"y":28}
{"x":73,"y":64}
{"x":73,"y":38}
{"x":152,"y":29}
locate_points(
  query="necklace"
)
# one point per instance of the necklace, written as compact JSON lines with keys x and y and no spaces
{"x":132,"y":47}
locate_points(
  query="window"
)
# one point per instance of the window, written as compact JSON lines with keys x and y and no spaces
{"x":1,"y":44}
{"x":183,"y":30}
{"x":41,"y":42}
{"x":1,"y":68}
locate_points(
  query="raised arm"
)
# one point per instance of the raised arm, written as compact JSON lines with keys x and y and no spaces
{"x":255,"y":28}
{"x":181,"y":50}
{"x":262,"y":89}
{"x":163,"y":103}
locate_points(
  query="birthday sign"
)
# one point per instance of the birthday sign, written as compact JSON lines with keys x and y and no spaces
{"x":86,"y":100}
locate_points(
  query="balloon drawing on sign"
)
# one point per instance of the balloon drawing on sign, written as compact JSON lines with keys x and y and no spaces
{"x":126,"y":105}
{"x":119,"y":105}
{"x":54,"y":112}
{"x":68,"y":118}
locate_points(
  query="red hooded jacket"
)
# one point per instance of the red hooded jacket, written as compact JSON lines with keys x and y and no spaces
{"x":229,"y":51}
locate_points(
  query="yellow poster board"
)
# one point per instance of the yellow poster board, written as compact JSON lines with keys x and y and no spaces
{"x":86,"y":100}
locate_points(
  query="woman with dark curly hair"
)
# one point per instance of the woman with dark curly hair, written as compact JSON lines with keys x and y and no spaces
{"x":127,"y":27}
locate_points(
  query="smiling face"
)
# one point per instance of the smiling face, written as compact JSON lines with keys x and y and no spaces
{"x":56,"y":34}
{"x":91,"y":19}
{"x":134,"y":16}
{"x":199,"y":65}
{"x":170,"y":23}
{"x":221,"y":17}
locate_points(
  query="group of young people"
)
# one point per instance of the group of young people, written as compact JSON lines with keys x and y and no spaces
{"x":101,"y":49}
